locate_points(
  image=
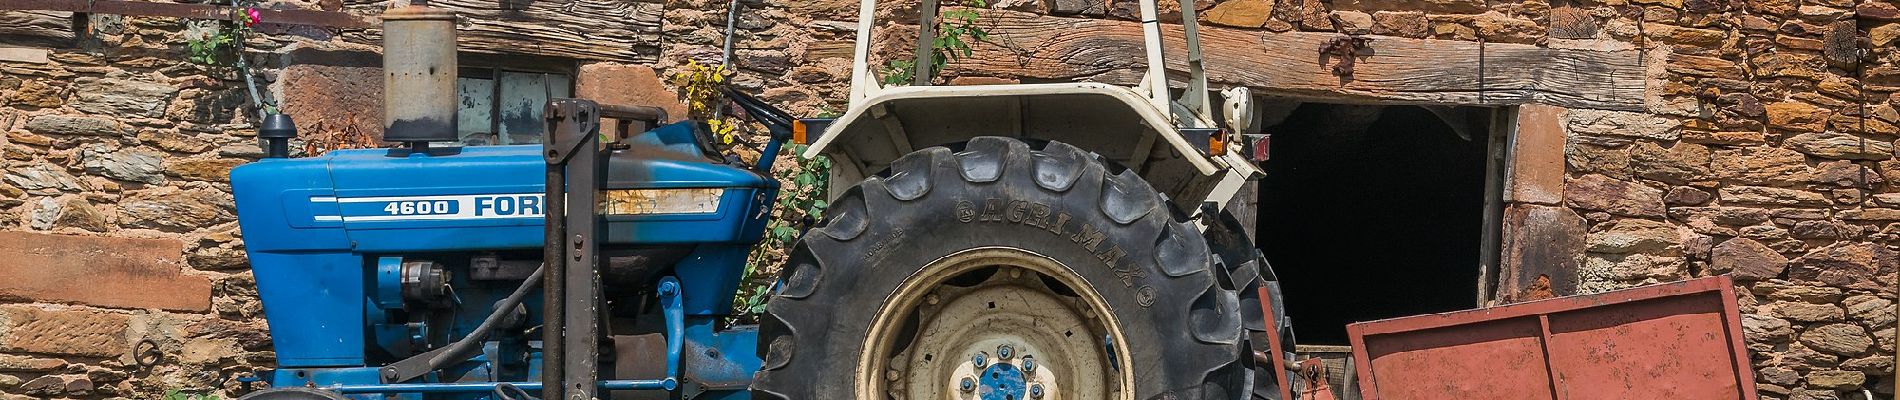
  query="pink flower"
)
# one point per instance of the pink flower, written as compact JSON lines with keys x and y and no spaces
{"x":254,"y":16}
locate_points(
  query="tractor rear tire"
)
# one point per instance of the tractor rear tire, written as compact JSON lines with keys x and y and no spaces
{"x":865,"y":292}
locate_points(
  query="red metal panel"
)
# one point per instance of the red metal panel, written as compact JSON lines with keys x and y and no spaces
{"x":1275,"y":350}
{"x":1680,"y":340}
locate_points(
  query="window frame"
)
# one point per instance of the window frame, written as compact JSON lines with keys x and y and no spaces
{"x":491,"y":67}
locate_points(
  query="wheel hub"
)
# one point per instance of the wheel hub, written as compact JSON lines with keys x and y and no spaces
{"x":1002,"y":382}
{"x":1009,"y":378}
{"x":999,"y":328}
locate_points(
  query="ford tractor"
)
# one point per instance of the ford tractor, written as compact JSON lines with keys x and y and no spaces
{"x":1012,"y":242}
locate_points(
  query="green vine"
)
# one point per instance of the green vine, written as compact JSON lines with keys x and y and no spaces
{"x":220,"y":47}
{"x":175,"y":394}
{"x":956,"y":31}
{"x":801,"y":200}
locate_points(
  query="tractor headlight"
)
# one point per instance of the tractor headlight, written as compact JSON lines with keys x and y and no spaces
{"x":661,"y":201}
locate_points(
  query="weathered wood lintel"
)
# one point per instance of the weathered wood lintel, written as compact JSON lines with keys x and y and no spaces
{"x":589,"y":30}
{"x":197,"y":11}
{"x":1389,"y":70}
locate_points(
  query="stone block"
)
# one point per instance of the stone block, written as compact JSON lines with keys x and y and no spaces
{"x":1536,"y":172}
{"x":1677,"y":164}
{"x":70,"y":332}
{"x":1877,"y":10}
{"x":1769,"y":196}
{"x":1836,"y":380}
{"x":1840,"y":146}
{"x":1623,"y":124}
{"x":1865,"y":266}
{"x":1541,"y":247}
{"x":125,"y":97}
{"x":28,"y":55}
{"x":1796,"y":116}
{"x":101,"y":271}
{"x":1239,"y":13}
{"x":1634,"y":236}
{"x":328,"y":101}
{"x":202,"y":169}
{"x":1598,"y":192}
{"x":1807,"y":312}
{"x":1763,"y":165}
{"x":1762,"y":328}
{"x":21,"y":363}
{"x":1747,"y":259}
{"x":627,"y":84}
{"x":1411,"y":24}
{"x":1842,"y":339}
{"x":71,"y":125}
{"x":1430,"y":6}
{"x":44,"y":176}
{"x":130,"y":164}
{"x":1352,"y":22}
{"x":174,"y":210}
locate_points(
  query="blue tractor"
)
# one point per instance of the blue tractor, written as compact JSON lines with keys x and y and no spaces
{"x":1039,"y":263}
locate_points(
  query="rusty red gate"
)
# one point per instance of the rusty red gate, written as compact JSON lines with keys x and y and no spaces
{"x":1680,"y":340}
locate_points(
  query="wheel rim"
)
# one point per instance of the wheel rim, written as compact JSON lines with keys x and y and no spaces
{"x":966,"y":309}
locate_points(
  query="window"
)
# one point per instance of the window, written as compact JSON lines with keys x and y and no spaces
{"x":502,"y":105}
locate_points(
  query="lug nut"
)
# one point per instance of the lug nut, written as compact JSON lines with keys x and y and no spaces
{"x":1004,"y":351}
{"x":967,"y":385}
{"x":1029,"y":364}
{"x":1035,"y":391}
{"x":980,"y":360}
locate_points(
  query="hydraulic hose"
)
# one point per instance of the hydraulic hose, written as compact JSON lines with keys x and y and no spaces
{"x":462,"y":349}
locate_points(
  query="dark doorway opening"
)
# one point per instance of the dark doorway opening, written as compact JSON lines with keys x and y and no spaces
{"x":1373,"y":212}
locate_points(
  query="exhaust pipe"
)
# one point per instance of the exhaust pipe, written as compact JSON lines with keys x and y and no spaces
{"x":419,"y":76}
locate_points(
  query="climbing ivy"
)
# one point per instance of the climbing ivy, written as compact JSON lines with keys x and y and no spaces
{"x":220,"y":47}
{"x":801,"y":202}
{"x":956,"y":31}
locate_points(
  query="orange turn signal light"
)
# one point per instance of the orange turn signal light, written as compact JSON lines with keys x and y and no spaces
{"x":1217,"y":143}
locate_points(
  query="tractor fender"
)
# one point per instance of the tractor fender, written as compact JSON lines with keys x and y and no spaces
{"x":1116,"y":122}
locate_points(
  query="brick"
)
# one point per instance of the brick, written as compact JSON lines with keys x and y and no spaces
{"x":74,"y":332}
{"x":101,"y":271}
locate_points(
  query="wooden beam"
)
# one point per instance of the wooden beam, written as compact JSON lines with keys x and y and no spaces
{"x":37,"y":28}
{"x":196,"y":11}
{"x":1389,"y":70}
{"x":602,"y":30}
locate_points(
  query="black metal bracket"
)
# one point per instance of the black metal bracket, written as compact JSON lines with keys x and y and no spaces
{"x":1346,"y":47}
{"x":571,"y":297}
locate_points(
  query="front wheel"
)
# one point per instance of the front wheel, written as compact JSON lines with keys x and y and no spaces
{"x":1003,"y":271}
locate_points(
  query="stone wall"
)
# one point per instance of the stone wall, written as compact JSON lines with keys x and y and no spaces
{"x":1767,"y":155}
{"x":1766,"y":151}
{"x":124,"y":270}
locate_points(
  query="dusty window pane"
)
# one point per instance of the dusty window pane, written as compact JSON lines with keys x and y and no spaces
{"x":475,"y":121}
{"x":523,"y":94}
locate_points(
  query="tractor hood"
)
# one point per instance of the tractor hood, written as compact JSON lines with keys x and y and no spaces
{"x":482,"y":197}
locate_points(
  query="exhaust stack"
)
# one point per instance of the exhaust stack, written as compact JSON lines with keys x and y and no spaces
{"x":419,"y":71}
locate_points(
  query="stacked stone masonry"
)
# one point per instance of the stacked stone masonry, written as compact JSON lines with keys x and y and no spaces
{"x":1764,"y":149}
